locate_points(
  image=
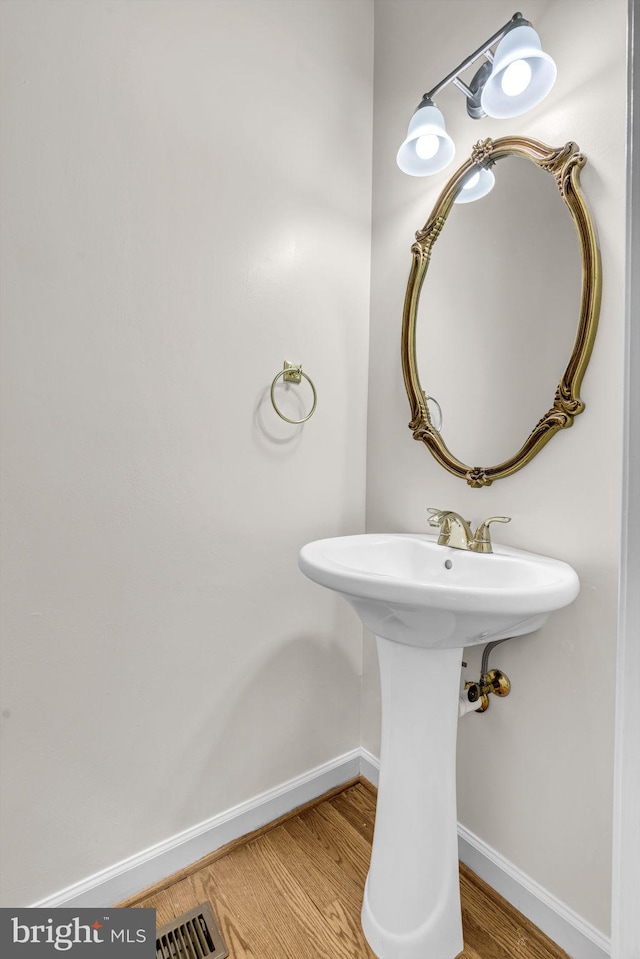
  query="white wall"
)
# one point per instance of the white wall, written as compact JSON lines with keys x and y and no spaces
{"x":535,"y":772}
{"x":186,"y":203}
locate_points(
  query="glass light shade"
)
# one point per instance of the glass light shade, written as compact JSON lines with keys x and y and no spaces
{"x":478,"y":183}
{"x":426,"y":122}
{"x":520,"y":44}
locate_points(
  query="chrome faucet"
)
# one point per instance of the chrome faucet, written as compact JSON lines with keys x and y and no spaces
{"x":456,"y":531}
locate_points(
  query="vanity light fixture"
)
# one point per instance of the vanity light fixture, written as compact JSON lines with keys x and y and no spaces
{"x":514,"y":77}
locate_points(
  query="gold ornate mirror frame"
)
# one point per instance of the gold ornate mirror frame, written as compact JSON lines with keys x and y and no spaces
{"x":564,"y":163}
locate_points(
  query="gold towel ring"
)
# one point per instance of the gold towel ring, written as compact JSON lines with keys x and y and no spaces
{"x":292,"y":373}
{"x":432,"y":399}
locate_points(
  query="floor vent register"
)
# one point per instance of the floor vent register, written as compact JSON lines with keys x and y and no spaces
{"x":193,"y":935}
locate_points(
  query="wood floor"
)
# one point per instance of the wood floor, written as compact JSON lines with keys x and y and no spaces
{"x":294,"y":891}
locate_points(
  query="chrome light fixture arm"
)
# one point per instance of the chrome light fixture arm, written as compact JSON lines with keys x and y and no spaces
{"x":517,"y":20}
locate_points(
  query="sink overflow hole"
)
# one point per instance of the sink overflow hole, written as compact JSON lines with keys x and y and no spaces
{"x":448,"y":564}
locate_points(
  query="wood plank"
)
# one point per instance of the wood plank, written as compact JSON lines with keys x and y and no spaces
{"x":291,"y":915}
{"x":369,"y":787}
{"x":230,"y":888}
{"x":358,"y":807}
{"x":348,"y":929}
{"x":340,"y":840}
{"x":293,"y":890}
{"x":336,"y":926}
{"x":316,"y":867}
{"x":171,"y":902}
{"x":496,"y":929}
{"x":470,"y":953}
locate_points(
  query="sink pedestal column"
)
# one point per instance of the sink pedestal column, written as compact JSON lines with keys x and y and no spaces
{"x":411,"y":904}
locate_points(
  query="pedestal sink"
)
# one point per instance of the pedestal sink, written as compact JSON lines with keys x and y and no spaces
{"x":424,"y":603}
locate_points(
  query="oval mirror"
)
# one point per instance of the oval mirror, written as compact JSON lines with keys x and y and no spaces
{"x":491,"y":339}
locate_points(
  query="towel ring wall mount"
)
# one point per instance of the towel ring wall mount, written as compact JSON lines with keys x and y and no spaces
{"x":293,"y":373}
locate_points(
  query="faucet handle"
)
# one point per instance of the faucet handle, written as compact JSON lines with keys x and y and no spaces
{"x":440,"y":516}
{"x":436,"y":517}
{"x":482,"y":539}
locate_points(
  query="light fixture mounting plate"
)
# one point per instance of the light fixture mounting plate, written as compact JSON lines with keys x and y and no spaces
{"x":474,"y":108}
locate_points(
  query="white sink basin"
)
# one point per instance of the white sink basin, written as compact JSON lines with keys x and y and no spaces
{"x":424,"y":602}
{"x":408,"y":589}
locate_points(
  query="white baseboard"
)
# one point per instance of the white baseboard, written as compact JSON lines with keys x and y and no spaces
{"x":369,"y":766}
{"x":569,"y":930}
{"x":565,"y":927}
{"x":132,"y":875}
